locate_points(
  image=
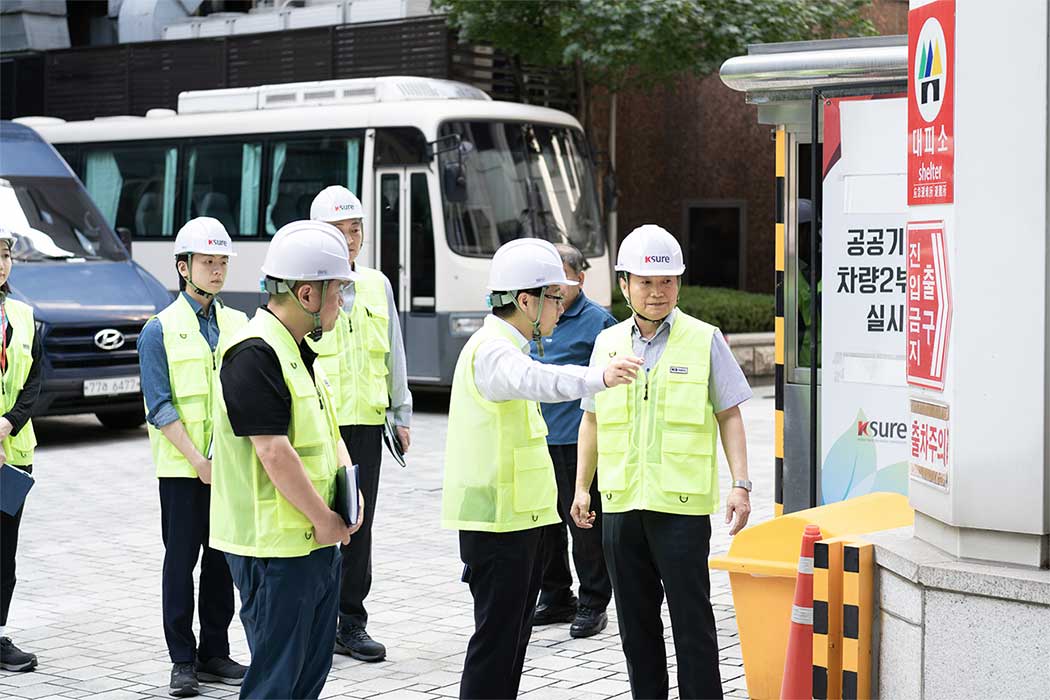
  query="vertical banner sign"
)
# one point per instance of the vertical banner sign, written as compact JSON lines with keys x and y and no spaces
{"x":864,"y":396}
{"x":931,"y":103}
{"x":929,"y":443}
{"x":929,"y":304}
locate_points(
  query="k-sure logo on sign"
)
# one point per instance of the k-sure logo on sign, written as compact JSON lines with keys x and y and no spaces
{"x":885,"y":430}
{"x":657,"y":259}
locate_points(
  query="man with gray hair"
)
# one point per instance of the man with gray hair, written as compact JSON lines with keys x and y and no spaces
{"x":571,"y":343}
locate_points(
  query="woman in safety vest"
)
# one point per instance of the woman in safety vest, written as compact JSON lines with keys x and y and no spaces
{"x":277,"y":455}
{"x":19,"y":388}
{"x":499,"y":486}
{"x":364,"y":358}
{"x":654,"y":445}
{"x":179,"y":381}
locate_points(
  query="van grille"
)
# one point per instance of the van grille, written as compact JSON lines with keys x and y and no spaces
{"x":74,"y":346}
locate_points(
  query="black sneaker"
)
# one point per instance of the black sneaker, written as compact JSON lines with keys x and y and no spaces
{"x":183,"y":681}
{"x":221,"y":669}
{"x":588,"y":622}
{"x":553,"y":613}
{"x":14,"y":659}
{"x":355,"y":642}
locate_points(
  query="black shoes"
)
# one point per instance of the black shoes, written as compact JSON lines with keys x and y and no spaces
{"x":588,"y":622}
{"x":553,"y":613}
{"x":14,"y":659}
{"x":184,"y":682}
{"x":355,"y":642}
{"x":221,"y":670}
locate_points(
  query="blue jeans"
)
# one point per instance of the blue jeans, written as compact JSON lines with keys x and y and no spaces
{"x":288,"y":608}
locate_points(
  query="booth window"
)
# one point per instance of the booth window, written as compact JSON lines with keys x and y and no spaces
{"x":714,"y":243}
{"x":808,"y":222}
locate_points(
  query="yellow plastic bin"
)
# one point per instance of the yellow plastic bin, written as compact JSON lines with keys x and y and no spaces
{"x":762,"y":564}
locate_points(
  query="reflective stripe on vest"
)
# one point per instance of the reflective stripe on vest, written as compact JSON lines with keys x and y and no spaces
{"x":193,"y":380}
{"x":354,"y":353}
{"x":657,"y":450}
{"x":249,"y":516}
{"x":498,"y":472}
{"x":18,"y":448}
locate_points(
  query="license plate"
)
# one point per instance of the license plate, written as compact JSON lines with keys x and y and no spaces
{"x":111,"y":387}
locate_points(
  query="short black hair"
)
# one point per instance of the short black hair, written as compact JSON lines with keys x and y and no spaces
{"x":507,"y":310}
{"x":182,"y":257}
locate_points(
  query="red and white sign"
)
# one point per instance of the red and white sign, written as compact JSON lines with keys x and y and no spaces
{"x":928,"y":459}
{"x":929,"y":305}
{"x":931,"y":103}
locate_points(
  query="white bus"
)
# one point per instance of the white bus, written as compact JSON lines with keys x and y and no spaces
{"x":445,"y":173}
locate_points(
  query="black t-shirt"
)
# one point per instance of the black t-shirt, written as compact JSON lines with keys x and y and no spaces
{"x":257,"y":399}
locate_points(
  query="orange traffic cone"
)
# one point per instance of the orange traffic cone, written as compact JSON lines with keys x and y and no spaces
{"x":798,"y":664}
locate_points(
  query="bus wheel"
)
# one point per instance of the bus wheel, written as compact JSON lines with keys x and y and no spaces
{"x":121,"y":420}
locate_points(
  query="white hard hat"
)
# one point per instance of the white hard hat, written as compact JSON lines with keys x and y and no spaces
{"x":526,"y":263}
{"x":650,"y":250}
{"x":7,"y":235}
{"x":336,"y":203}
{"x":308,"y":251}
{"x":203,"y":235}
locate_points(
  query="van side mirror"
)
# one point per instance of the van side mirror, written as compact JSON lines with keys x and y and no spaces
{"x":454,"y":182}
{"x":124,"y":234}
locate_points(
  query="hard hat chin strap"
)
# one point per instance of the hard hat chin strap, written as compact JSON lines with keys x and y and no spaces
{"x":537,"y":337}
{"x":189,"y":278}
{"x":276,"y":286}
{"x":627,"y":298}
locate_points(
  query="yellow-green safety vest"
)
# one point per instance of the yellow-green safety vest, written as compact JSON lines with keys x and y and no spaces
{"x":249,"y":516}
{"x":498,"y":472}
{"x":657,"y":437}
{"x":354,"y":353}
{"x":193,"y":377}
{"x":18,"y":448}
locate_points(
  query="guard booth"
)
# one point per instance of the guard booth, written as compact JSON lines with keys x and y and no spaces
{"x":838,"y":114}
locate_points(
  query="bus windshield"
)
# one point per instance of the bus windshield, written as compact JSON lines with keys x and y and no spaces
{"x":53,"y":219}
{"x":521,"y":181}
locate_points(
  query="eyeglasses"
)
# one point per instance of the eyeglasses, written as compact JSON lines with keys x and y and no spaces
{"x":552,"y":297}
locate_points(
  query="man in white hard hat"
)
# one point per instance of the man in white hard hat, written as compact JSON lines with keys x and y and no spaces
{"x":499,"y":485}
{"x":654,"y":445}
{"x":277,"y":452}
{"x":177,"y":364}
{"x":366,"y":365}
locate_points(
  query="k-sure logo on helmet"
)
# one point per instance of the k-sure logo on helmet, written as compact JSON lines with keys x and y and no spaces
{"x":218,"y":242}
{"x":657,"y":259}
{"x":343,"y":207}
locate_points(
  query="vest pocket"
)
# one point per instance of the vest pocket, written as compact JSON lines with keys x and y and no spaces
{"x":685,"y":399}
{"x":290,"y":517}
{"x":611,"y":406}
{"x":612,"y":460}
{"x":534,"y":485}
{"x":686,"y":462}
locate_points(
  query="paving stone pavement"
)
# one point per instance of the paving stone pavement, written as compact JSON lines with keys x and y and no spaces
{"x":89,"y":561}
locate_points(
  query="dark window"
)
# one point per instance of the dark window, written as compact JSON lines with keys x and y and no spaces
{"x":715,"y":237}
{"x":390,"y":232}
{"x":134,"y":187}
{"x":808,"y":221}
{"x":222,"y":181}
{"x":299,"y":169}
{"x":421,"y":230}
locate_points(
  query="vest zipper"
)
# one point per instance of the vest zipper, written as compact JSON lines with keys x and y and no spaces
{"x":645,"y":396}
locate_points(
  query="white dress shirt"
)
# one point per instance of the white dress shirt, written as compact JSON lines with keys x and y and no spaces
{"x":505,"y":372}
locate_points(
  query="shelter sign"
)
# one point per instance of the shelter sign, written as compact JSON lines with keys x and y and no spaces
{"x":864,"y":396}
{"x":931,"y":103}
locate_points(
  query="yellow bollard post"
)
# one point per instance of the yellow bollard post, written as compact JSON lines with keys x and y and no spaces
{"x":858,"y":584}
{"x":827,"y":619}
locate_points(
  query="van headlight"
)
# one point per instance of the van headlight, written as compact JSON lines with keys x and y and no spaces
{"x":466,"y":325}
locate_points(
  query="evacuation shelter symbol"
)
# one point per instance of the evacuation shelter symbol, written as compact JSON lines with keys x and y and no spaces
{"x":931,"y":63}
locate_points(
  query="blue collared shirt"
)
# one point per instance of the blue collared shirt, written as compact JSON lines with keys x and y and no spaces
{"x":571,"y":344}
{"x":153,"y":362}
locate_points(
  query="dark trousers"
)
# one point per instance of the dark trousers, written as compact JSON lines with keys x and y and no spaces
{"x":504,"y":576}
{"x":287,"y":608}
{"x":651,"y":553}
{"x":365,"y":443}
{"x":587,"y":555}
{"x":184,"y":509}
{"x":8,"y":546}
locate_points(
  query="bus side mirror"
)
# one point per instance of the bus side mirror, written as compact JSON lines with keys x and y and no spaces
{"x":454,"y":182}
{"x":124,"y":234}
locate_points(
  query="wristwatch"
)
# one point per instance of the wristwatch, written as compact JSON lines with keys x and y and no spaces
{"x":743,"y":484}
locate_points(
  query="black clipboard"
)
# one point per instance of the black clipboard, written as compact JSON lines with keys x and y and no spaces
{"x":347,"y":502}
{"x":393,"y":442}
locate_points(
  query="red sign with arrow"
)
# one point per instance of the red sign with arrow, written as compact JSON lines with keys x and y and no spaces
{"x":929,"y":307}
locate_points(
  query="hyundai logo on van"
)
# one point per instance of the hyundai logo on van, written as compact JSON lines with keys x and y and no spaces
{"x":885,"y":430}
{"x":657,"y":259}
{"x":109,"y":339}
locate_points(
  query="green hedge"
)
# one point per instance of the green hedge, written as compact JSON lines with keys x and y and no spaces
{"x":731,"y":310}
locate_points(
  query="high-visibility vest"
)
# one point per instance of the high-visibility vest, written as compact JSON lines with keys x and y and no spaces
{"x":354,"y":353}
{"x":498,"y":472}
{"x":249,"y":516}
{"x":18,"y":448}
{"x":193,"y":377}
{"x":657,"y":437}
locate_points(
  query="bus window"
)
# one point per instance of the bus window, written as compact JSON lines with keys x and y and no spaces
{"x":222,"y":181}
{"x":390,"y":231}
{"x":421,"y":230}
{"x":299,"y":169}
{"x":134,"y":187}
